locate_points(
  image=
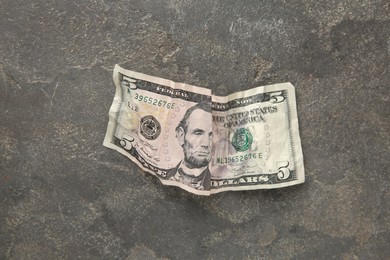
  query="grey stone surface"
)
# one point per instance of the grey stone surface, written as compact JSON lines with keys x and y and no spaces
{"x":64,"y":196}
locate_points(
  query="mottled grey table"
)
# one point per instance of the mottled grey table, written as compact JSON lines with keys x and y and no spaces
{"x":64,"y":196}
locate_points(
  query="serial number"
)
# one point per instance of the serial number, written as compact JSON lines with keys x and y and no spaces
{"x":238,"y":158}
{"x":154,"y":101}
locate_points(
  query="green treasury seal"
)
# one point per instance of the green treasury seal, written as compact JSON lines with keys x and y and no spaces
{"x":242,"y":139}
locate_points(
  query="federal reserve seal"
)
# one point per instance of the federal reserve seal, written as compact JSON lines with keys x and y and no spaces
{"x":242,"y":139}
{"x":150,"y":128}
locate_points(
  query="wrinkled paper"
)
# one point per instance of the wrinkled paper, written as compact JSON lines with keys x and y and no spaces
{"x":202,"y":143}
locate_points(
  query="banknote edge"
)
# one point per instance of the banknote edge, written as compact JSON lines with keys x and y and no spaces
{"x":162,"y":81}
{"x":252,"y":91}
{"x":296,"y":132}
{"x":258,"y":187}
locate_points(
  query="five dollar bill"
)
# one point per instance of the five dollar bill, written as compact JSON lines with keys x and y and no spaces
{"x":202,"y":143}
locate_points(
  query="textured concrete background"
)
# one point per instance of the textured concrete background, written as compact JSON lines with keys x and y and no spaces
{"x":64,"y":196}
